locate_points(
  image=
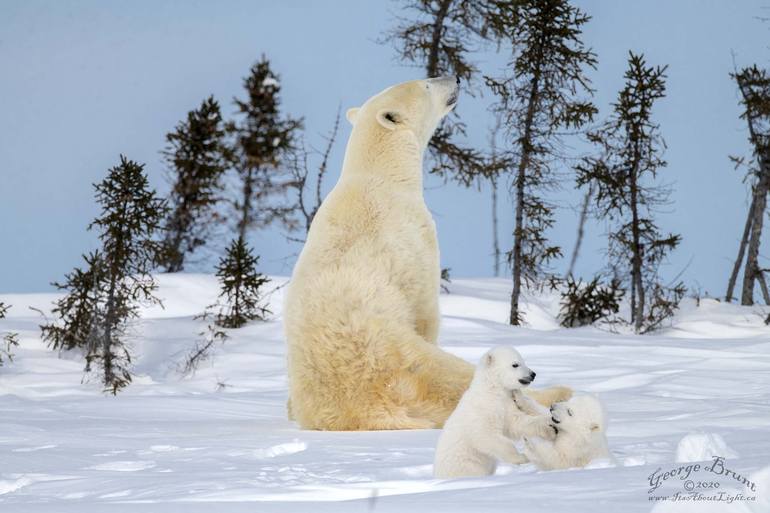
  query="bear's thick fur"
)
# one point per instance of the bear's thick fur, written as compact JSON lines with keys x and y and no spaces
{"x":581,"y":436}
{"x":487,"y":421}
{"x":361,"y":314}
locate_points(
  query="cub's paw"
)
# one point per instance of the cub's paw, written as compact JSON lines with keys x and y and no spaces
{"x":518,"y":399}
{"x":547,"y":430}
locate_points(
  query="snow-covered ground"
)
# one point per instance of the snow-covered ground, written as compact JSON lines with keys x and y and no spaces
{"x":220,"y":440}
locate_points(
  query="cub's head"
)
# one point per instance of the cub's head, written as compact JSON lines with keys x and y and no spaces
{"x":505,"y":367}
{"x":580,"y":415}
{"x":411,"y":108}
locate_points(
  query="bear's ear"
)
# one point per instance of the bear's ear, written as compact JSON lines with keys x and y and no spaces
{"x":352,"y":114}
{"x":594,"y":427}
{"x":390,"y":119}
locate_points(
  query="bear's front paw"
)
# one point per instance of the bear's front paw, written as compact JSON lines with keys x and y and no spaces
{"x":548,"y":431}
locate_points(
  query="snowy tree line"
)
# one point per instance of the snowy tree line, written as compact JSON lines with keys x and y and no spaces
{"x":543,"y":95}
{"x":234,"y":172}
{"x":233,"y":177}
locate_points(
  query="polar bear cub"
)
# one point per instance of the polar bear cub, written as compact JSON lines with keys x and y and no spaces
{"x":580,"y":438}
{"x":487,"y":422}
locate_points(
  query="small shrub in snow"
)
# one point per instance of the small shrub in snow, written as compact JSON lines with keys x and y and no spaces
{"x":585,"y":303}
{"x":203,"y":349}
{"x":241,"y":287}
{"x":446,"y":279}
{"x":664,"y":302}
{"x":8,"y":341}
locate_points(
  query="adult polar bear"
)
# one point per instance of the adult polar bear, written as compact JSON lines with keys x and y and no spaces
{"x":361,"y":314}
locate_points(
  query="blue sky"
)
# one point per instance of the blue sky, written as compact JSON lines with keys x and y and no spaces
{"x":83,"y":81}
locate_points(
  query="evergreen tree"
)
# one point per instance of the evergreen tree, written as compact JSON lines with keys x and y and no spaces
{"x":585,"y":303}
{"x":78,"y":310}
{"x":263,"y":138}
{"x":754,"y":87}
{"x":104,"y":297}
{"x":630,"y":154}
{"x":8,"y":341}
{"x":197,"y":158}
{"x":241,"y":287}
{"x":439,"y":38}
{"x":539,"y":99}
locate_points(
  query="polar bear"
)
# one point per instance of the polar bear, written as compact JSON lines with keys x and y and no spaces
{"x":581,"y":436}
{"x":361,"y":313}
{"x":487,"y":421}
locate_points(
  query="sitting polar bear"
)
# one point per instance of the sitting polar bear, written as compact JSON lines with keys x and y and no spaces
{"x":580,"y":438}
{"x":361,"y":314}
{"x":487,"y":421}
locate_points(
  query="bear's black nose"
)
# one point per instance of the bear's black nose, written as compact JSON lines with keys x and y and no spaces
{"x":532,"y":375}
{"x":457,"y":79}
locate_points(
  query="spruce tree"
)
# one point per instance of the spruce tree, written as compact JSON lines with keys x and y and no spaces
{"x":439,"y":38}
{"x":105,"y":297}
{"x":585,"y":303}
{"x":754,"y":87}
{"x":263,"y":139}
{"x":629,"y":157}
{"x":77,"y":311}
{"x":7,"y":340}
{"x":241,"y":285}
{"x":542,"y":96}
{"x":197,"y":158}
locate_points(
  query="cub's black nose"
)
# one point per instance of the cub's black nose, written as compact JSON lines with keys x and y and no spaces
{"x":457,"y":79}
{"x":532,"y":376}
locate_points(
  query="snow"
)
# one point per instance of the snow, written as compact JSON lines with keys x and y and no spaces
{"x":270,"y":82}
{"x":220,"y":440}
{"x":703,"y":447}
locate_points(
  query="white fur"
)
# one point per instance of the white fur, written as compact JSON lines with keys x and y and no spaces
{"x":581,"y":436}
{"x":361,"y":313}
{"x":486,"y":422}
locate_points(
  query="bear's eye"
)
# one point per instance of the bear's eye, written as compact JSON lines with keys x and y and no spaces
{"x":391,"y":117}
{"x":569,"y":412}
{"x":515,"y":365}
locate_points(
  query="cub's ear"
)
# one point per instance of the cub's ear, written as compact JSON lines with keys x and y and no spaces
{"x":390,"y":119}
{"x":489,"y":359}
{"x":594,"y":427}
{"x":352,"y":114}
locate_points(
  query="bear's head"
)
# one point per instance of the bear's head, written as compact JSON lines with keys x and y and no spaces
{"x":504,"y":367}
{"x":412,"y":109}
{"x":581,"y":415}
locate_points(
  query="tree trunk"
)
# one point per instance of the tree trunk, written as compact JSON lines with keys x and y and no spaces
{"x":495,"y":240}
{"x":109,"y":319}
{"x":526,"y":149}
{"x":435,"y":43}
{"x":757,"y":220}
{"x":175,"y":258}
{"x":248,"y":185}
{"x":493,"y":182}
{"x":741,"y":251}
{"x":637,"y":302}
{"x":581,"y":228}
{"x":763,"y":287}
{"x":758,"y":212}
